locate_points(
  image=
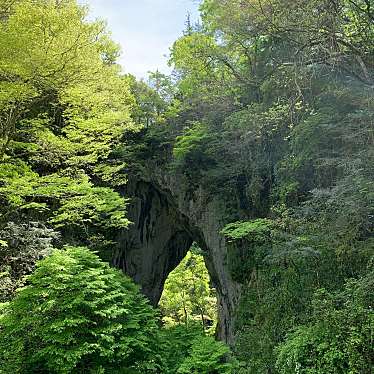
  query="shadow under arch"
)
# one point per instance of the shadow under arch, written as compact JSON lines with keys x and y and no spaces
{"x":161,"y":233}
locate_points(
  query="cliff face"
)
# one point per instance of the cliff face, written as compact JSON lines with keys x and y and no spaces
{"x":167,"y":218}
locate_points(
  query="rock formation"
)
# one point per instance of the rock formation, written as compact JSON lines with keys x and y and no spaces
{"x":167,"y":218}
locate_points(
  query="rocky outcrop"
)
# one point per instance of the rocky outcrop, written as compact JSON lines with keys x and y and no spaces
{"x":167,"y":218}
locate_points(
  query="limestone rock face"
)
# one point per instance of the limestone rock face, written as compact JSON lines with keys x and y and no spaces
{"x":167,"y":218}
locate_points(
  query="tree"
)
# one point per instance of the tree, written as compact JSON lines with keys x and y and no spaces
{"x":189,"y":350}
{"x":187,"y":294}
{"x":207,"y":356}
{"x":77,"y":315}
{"x":338,"y":338}
{"x":64,"y":108}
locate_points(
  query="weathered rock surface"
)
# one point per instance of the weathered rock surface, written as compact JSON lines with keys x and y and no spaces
{"x":167,"y":218}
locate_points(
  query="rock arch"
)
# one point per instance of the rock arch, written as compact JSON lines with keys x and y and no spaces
{"x":165,"y":224}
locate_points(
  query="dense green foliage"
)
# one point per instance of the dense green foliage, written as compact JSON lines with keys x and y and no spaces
{"x":64,"y":108}
{"x":187,"y":295}
{"x":270,"y":111}
{"x":277,"y":120}
{"x":187,"y":350}
{"x":189,"y":309}
{"x":339,"y":335}
{"x":77,"y":315}
{"x":69,"y":119}
{"x":247,"y":246}
{"x":206,"y":357}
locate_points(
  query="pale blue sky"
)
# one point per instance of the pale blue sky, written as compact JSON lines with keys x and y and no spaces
{"x":145,"y":29}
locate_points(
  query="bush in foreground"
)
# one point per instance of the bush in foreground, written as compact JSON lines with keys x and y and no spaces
{"x":339,"y":336}
{"x":77,"y":315}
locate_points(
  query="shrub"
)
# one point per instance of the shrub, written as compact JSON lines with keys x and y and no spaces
{"x":339,"y":337}
{"x":77,"y":315}
{"x":207,"y":356}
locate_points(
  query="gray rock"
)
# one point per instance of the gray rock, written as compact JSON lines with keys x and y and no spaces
{"x":167,"y":218}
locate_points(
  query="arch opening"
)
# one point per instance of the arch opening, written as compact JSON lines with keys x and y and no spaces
{"x":189,"y":297}
{"x":163,"y":231}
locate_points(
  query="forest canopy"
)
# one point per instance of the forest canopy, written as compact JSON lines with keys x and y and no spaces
{"x":268,"y":115}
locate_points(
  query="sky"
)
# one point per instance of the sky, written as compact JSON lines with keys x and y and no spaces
{"x":145,"y":29}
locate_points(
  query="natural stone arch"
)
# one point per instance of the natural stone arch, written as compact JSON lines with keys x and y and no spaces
{"x":164,"y":227}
